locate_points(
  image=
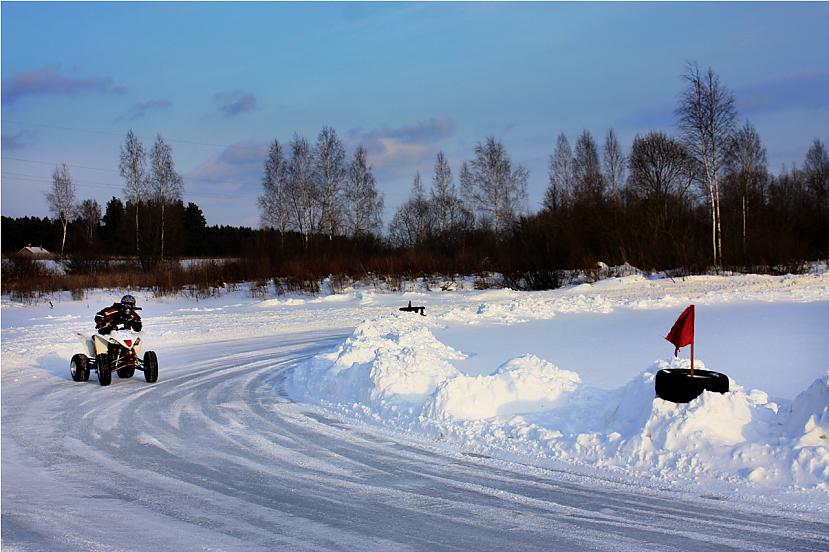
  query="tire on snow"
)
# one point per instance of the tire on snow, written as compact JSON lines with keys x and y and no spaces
{"x":676,"y":384}
{"x":126,"y":372}
{"x":150,"y":367}
{"x":104,"y":373}
{"x":78,"y":368}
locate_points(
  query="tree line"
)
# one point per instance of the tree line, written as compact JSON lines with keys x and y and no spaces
{"x":702,"y":196}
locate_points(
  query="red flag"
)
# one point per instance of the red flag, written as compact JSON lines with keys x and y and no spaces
{"x":682,"y":333}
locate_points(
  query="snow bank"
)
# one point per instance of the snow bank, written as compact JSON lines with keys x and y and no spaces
{"x":393,"y":371}
{"x":519,"y":386}
{"x":388,"y":364}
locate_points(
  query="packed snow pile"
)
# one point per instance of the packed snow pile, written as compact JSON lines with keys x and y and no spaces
{"x":521,"y":385}
{"x":391,"y":363}
{"x":393,"y":371}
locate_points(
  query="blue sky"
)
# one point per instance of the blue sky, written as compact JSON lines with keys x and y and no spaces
{"x":219,"y":80}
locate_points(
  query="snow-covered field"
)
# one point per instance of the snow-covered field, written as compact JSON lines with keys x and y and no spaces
{"x":303,"y":406}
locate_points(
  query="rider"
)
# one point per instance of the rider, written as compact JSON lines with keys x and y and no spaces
{"x":119,"y":314}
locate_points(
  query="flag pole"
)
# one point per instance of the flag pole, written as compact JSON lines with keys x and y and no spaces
{"x":692,"y":359}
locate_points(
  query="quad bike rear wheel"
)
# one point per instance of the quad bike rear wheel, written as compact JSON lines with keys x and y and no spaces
{"x":78,"y":368}
{"x":150,"y":367}
{"x":104,"y":373}
{"x":677,"y":385}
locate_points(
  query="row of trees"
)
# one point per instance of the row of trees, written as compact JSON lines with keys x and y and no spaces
{"x":114,"y":234}
{"x":712,"y":168}
{"x":701,"y":196}
{"x":149,"y":190}
{"x":316,"y":190}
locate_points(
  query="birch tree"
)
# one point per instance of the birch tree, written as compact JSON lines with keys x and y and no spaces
{"x":816,"y":169}
{"x":165,"y":183}
{"x":587,"y":172}
{"x":133,"y":168}
{"x":495,"y":189}
{"x":61,"y":199}
{"x":364,"y":205}
{"x":412,"y":224}
{"x":614,"y":164}
{"x":303,"y":192}
{"x":746,"y":166}
{"x":443,"y":194}
{"x":331,"y":171}
{"x":89,"y":217}
{"x":273,"y":201}
{"x":707,"y":117}
{"x":560,"y":175}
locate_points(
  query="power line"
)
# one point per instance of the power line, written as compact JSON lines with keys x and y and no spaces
{"x":95,"y":184}
{"x":49,"y":163}
{"x":111,"y":133}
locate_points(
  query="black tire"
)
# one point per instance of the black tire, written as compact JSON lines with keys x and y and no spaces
{"x":104,"y":373}
{"x":126,"y":373}
{"x":676,"y":384}
{"x":150,"y":367}
{"x":79,"y":368}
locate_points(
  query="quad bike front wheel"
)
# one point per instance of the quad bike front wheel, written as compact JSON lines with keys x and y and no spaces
{"x":150,"y":367}
{"x":104,"y":373}
{"x":79,"y":368}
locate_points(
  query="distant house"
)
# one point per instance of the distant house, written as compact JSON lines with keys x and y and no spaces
{"x":35,"y":251}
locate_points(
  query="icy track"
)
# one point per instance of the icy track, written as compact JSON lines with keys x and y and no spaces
{"x":219,"y":455}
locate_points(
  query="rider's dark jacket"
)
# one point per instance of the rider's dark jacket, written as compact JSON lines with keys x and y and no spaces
{"x":117,"y":315}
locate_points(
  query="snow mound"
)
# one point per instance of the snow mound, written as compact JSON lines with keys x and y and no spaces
{"x":394,"y":371}
{"x":388,"y":363}
{"x":522,"y":385}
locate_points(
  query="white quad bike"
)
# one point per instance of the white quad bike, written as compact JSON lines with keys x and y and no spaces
{"x":115,"y":352}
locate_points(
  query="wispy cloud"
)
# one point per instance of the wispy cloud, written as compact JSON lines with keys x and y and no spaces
{"x":810,"y":91}
{"x":17,"y":141}
{"x":806,"y":90}
{"x":139,"y":109}
{"x":237,"y":165}
{"x":404,"y":145}
{"x":48,"y":80}
{"x":235,"y":102}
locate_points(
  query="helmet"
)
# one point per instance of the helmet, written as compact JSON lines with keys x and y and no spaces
{"x":128,"y":301}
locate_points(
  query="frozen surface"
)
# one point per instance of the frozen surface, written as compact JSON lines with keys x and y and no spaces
{"x":769,"y":346}
{"x":439,"y":432}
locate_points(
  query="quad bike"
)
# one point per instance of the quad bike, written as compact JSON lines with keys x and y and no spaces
{"x":115,"y":352}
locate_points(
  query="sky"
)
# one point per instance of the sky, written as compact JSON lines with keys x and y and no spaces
{"x":219,"y":81}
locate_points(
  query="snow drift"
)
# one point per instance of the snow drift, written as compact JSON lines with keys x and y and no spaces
{"x":395,"y":372}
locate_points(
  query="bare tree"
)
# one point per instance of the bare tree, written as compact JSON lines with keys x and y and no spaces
{"x":746,"y":166}
{"x":707,"y":117}
{"x":412,"y":224}
{"x":89,"y":217}
{"x":560,"y":175}
{"x":493,"y":186}
{"x":61,"y":199}
{"x":303,"y":192}
{"x":364,"y":205}
{"x":443,"y":194}
{"x":133,"y":167}
{"x":816,"y":169}
{"x":659,"y":167}
{"x":331,"y":170}
{"x":165,"y":183}
{"x":274,"y":202}
{"x":587,"y":172}
{"x":614,"y":163}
